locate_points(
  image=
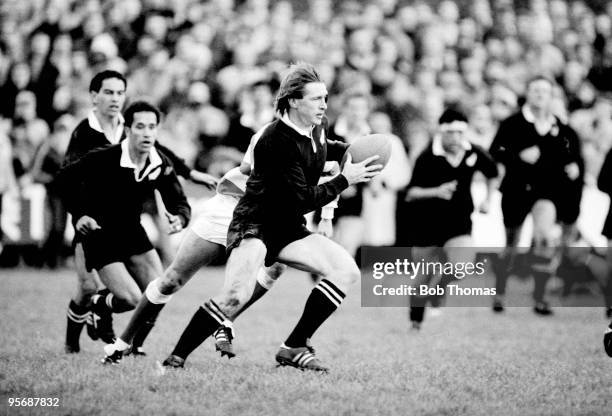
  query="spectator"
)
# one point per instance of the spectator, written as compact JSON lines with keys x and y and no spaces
{"x":47,"y":163}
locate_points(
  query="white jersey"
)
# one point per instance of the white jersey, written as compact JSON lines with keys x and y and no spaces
{"x":233,"y":183}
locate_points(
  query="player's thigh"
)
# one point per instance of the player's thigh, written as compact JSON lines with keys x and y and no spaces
{"x":317,"y":254}
{"x":244,"y":262}
{"x":118,"y":280}
{"x":193,"y":254}
{"x":241,"y":270}
{"x":460,"y":249}
{"x":145,"y":267}
{"x":88,"y":282}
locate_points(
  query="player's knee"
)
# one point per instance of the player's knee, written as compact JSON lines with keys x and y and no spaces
{"x":346,"y":274}
{"x":170,"y":283}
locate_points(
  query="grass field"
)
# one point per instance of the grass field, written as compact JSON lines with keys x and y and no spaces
{"x":465,"y":362}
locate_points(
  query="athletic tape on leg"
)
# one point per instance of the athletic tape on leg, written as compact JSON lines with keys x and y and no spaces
{"x":154,"y":295}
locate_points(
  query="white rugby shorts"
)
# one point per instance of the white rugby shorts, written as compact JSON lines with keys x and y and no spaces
{"x":214,"y":219}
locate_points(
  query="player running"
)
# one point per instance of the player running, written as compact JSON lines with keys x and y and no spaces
{"x":441,"y":189}
{"x":104,"y":126}
{"x":269,"y":223}
{"x":543,"y":169}
{"x":105,"y":191}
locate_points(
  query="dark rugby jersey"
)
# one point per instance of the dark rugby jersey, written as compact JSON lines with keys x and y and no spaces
{"x":283,"y":185}
{"x":86,"y":138}
{"x":558,"y":148}
{"x":103,"y":185}
{"x":432,"y":221}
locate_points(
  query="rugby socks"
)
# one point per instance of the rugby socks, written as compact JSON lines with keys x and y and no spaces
{"x":77,"y":317}
{"x":109,"y":303}
{"x":144,"y":316}
{"x":202,"y":325}
{"x":324,"y":299}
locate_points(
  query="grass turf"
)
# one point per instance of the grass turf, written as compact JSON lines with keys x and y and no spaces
{"x":466,"y":362}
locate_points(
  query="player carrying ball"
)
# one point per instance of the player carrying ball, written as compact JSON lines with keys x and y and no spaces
{"x":269,"y":222}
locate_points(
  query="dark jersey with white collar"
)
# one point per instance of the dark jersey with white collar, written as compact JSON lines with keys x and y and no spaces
{"x":558,"y":148}
{"x":85,"y":138}
{"x":99,"y":186}
{"x":283,"y":185}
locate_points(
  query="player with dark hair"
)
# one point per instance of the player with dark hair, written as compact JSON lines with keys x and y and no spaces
{"x":269,"y":222}
{"x":105,"y":191}
{"x":543,"y":169}
{"x":104,"y":126}
{"x":440,"y":189}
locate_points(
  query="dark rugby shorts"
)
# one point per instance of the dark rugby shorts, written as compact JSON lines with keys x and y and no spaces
{"x":275,"y":240}
{"x":516,"y":205}
{"x":104,"y":246}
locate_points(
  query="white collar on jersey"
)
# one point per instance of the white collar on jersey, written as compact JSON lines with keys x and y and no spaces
{"x":548,"y":126}
{"x":304,"y":132}
{"x":453,"y":159}
{"x":94,"y":123}
{"x":126,"y":162}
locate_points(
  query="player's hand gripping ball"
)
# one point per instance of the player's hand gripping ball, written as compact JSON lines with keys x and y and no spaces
{"x":371,"y":145}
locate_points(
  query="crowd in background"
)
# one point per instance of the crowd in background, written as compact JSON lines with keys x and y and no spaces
{"x":213,"y":67}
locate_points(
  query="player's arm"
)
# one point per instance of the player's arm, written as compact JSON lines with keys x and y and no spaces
{"x":73,"y":181}
{"x":488,"y":167}
{"x":173,"y":196}
{"x":503,"y":148}
{"x":574,"y":168}
{"x":485,"y":162}
{"x":421,"y":185}
{"x":281,"y":161}
{"x":336,"y":150}
{"x":182,"y":169}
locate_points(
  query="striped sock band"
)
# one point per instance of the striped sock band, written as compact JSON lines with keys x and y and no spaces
{"x":322,"y":302}
{"x":335,"y":295}
{"x":75,"y":314}
{"x":109,"y":301}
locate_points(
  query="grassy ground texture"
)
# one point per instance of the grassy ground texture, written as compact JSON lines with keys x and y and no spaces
{"x":467,"y":361}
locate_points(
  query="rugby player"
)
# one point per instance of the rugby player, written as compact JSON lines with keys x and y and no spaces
{"x":268,"y":223}
{"x":105,"y":191}
{"x":542,"y":162}
{"x":440,"y":189}
{"x":205,"y":241}
{"x":104,"y":126}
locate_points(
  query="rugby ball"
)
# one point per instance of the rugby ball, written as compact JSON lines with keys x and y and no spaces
{"x":370,"y":145}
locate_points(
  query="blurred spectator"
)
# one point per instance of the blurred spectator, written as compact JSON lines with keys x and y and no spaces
{"x":28,"y":133}
{"x":256,"y":109}
{"x":47,"y":163}
{"x":43,"y":74}
{"x":200,"y":61}
{"x":7,"y":175}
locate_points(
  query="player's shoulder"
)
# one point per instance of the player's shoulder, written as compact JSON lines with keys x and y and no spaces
{"x":166,"y":164}
{"x":275,"y":133}
{"x":81,"y":129}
